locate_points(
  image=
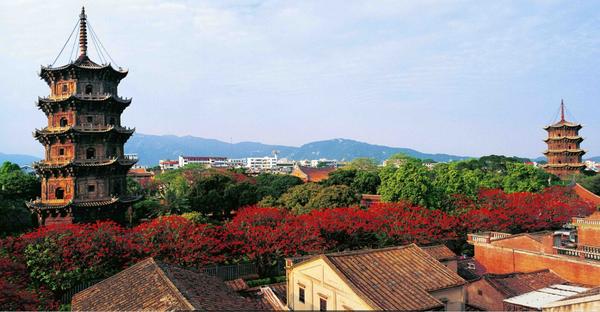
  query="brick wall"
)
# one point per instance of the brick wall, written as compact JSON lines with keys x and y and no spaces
{"x":501,"y":260}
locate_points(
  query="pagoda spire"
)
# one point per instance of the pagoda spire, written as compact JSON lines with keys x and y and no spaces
{"x":82,"y":33}
{"x":562,"y":111}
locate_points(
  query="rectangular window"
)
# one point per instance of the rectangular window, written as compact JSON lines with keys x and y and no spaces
{"x":61,"y":151}
{"x":91,"y":188}
{"x":301,"y":294}
{"x":479,"y":292}
{"x":322,"y":304}
{"x":90,"y":119}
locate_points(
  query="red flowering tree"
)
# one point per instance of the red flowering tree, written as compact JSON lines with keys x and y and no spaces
{"x":266,"y":235}
{"x":178,"y":240}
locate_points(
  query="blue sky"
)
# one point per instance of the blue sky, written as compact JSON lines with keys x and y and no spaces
{"x":460,"y":77}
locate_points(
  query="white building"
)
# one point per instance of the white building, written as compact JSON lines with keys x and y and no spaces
{"x":261,"y":163}
{"x":167,"y":164}
{"x":214,"y":162}
{"x":237,"y":162}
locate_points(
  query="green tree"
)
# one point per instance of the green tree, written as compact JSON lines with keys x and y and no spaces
{"x":408,"y":180}
{"x":343,"y":176}
{"x":330,"y":197}
{"x":298,"y":196}
{"x":592,"y":183}
{"x":363,"y":164}
{"x":366,"y":182}
{"x":275,"y":185}
{"x":521,"y":177}
{"x":16,"y":187}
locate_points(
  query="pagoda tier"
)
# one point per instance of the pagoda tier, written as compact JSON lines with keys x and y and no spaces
{"x":81,"y":211}
{"x":74,"y":167}
{"x":76,"y":133}
{"x":579,"y":152}
{"x":564,"y":125}
{"x":572,"y":139}
{"x":79,"y":102}
{"x":80,"y":67}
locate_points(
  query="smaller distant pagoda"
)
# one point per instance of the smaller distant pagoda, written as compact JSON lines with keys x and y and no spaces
{"x":563,"y":153}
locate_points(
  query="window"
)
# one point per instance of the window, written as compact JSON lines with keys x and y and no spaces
{"x":479,"y":292}
{"x":91,"y":188}
{"x":90,"y":153}
{"x":322,"y":304}
{"x":65,"y":88}
{"x":88,"y":89}
{"x":64,"y":122}
{"x":61,"y":152}
{"x":90,"y":119}
{"x":59,"y":193}
{"x":301,"y":294}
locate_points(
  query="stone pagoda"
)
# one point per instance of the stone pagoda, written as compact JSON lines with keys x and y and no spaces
{"x":84,"y":171}
{"x":563,"y":153}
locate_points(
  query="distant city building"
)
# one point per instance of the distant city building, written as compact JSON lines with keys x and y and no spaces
{"x":213,"y":162}
{"x":592,"y":165}
{"x":237,"y":162}
{"x":168,"y":164}
{"x":261,"y":163}
{"x":563,"y":153}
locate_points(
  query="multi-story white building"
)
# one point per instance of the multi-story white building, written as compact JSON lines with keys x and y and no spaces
{"x":261,"y":163}
{"x":214,"y":162}
{"x":167,"y":164}
{"x":237,"y":162}
{"x":592,"y":165}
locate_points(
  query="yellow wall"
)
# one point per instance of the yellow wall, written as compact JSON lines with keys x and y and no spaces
{"x":320,"y":281}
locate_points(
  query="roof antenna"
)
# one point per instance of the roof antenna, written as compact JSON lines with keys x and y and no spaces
{"x":82,"y":33}
{"x":562,"y":111}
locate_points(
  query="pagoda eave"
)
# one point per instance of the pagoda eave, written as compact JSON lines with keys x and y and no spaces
{"x":49,"y":73}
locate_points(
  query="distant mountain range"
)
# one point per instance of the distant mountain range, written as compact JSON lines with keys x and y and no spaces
{"x":152,"y":148}
{"x":19,"y":159}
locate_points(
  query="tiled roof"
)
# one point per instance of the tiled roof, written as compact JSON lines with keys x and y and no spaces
{"x":237,"y":284}
{"x":440,"y":252}
{"x":397,"y":278}
{"x":588,"y":293}
{"x":586,"y":194}
{"x":316,"y":174}
{"x":515,"y":284}
{"x":157,"y":286}
{"x":470,"y":269}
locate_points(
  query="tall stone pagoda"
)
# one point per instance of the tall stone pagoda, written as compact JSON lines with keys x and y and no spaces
{"x":84,"y":170}
{"x":563,"y":153}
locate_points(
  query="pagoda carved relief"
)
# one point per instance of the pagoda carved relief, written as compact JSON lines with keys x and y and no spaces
{"x":564,"y":153}
{"x":84,"y":170}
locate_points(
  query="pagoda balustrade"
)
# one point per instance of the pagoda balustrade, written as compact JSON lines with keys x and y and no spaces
{"x":93,"y":96}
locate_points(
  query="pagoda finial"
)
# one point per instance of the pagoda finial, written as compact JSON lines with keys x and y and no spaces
{"x":562,"y":110}
{"x":82,"y":33}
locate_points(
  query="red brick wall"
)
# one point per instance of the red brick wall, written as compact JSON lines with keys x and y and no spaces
{"x":505,"y":260}
{"x":482,"y":295}
{"x":519,"y":242}
{"x":589,"y":236}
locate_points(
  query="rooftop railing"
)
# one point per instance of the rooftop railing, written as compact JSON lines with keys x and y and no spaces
{"x":486,"y":237}
{"x":583,"y":252}
{"x":585,"y":221}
